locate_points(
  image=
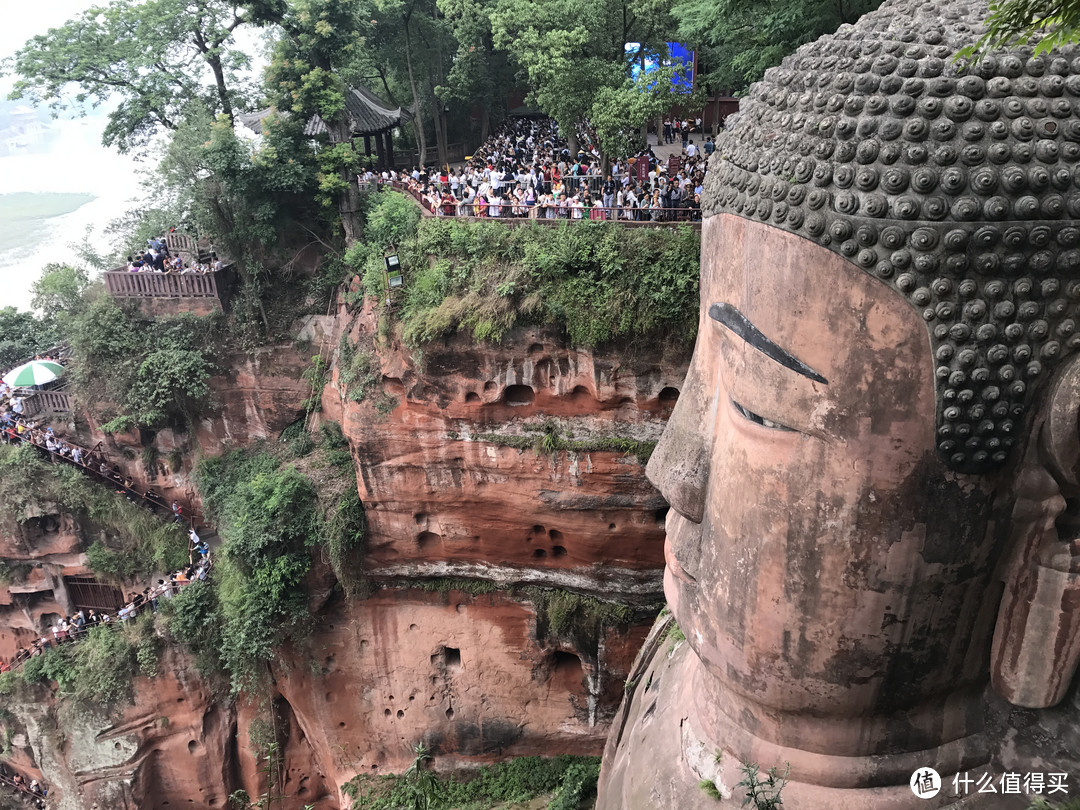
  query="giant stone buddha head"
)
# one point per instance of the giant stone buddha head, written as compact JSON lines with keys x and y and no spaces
{"x":873,"y":463}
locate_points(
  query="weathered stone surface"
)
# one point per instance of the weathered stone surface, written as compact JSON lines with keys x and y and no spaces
{"x":868,"y":445}
{"x":445,"y":496}
{"x":485,"y":681}
{"x":176,"y":745}
{"x":954,"y":186}
{"x":465,"y":675}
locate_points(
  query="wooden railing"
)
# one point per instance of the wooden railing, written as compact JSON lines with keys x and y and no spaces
{"x":180,"y":243}
{"x":125,"y":284}
{"x":47,"y":401}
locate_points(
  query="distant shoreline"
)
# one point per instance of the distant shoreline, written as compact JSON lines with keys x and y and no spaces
{"x":20,"y":206}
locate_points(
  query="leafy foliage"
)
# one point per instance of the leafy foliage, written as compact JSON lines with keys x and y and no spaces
{"x":132,"y":541}
{"x":246,"y":196}
{"x":762,"y":794}
{"x":99,"y":669}
{"x":272,"y":517}
{"x":596,"y":280}
{"x":107,"y":52}
{"x":193,"y":618}
{"x":551,"y":441}
{"x":572,"y":53}
{"x":1047,"y":25}
{"x":23,"y":335}
{"x":710,"y":789}
{"x":58,"y":292}
{"x":517,"y":780}
{"x":104,"y":52}
{"x":578,"y":781}
{"x":737,"y":40}
{"x":158,"y":370}
{"x":562,"y":612}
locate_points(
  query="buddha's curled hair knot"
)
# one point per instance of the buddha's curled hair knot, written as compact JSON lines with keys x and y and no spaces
{"x":955,"y":185}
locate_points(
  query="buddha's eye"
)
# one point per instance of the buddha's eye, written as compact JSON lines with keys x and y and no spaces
{"x":757,"y":419}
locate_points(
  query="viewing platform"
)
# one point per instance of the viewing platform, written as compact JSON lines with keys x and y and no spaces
{"x":667,"y":217}
{"x":201,"y":292}
{"x":125,"y":284}
{"x":46,"y":402}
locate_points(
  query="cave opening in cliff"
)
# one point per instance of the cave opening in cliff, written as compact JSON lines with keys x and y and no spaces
{"x":519,"y":395}
{"x":668,"y":397}
{"x":447,"y":659}
{"x":566,"y":671}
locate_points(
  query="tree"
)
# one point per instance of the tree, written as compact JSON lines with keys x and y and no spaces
{"x":309,"y":76}
{"x":158,"y":57}
{"x":573,"y":52}
{"x":479,"y":74}
{"x":58,"y":293}
{"x":618,"y":112}
{"x":22,"y":336}
{"x":737,"y":40}
{"x":1047,"y":25}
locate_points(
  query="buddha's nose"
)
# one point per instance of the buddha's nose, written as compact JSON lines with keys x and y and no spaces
{"x":679,"y":465}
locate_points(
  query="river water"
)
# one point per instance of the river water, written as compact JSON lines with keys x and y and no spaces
{"x":76,"y":188}
{"x":65,"y":158}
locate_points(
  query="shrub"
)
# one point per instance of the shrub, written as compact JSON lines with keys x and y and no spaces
{"x":578,"y":782}
{"x":762,"y":794}
{"x":132,"y":541}
{"x":97,"y":670}
{"x":272,"y":516}
{"x":158,"y":369}
{"x":517,"y":780}
{"x":193,"y":618}
{"x":598,"y":281}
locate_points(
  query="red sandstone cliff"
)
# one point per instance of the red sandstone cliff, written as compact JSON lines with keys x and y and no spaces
{"x":447,"y":493}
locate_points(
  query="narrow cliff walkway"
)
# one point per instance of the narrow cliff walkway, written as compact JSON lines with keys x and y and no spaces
{"x":93,"y":463}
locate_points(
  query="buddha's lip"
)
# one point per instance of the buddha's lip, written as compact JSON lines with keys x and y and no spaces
{"x":673,"y":565}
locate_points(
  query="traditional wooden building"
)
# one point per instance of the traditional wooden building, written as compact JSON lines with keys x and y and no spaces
{"x":370,"y":118}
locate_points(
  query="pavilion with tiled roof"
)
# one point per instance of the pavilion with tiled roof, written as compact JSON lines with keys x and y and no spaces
{"x":370,"y":118}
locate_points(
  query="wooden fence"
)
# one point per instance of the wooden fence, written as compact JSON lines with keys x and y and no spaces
{"x":47,"y":402}
{"x":125,"y":284}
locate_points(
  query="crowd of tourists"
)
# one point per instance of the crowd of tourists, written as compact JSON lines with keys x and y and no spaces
{"x":157,"y":259}
{"x":16,"y":783}
{"x":16,"y":428}
{"x":67,"y":629}
{"x":526,"y":170}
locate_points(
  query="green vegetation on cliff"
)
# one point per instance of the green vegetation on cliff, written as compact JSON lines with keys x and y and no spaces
{"x":128,"y":540}
{"x":130,"y":370}
{"x":277,"y":516}
{"x":598,"y":281}
{"x":99,"y":669}
{"x":569,"y":778}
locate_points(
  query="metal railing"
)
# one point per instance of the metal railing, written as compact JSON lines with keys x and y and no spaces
{"x":125,"y":284}
{"x":92,"y":462}
{"x":24,"y":790}
{"x":624,"y":215}
{"x":156,"y":593}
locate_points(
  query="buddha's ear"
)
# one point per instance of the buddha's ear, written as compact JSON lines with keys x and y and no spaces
{"x":1036,"y":646}
{"x":1059,"y":439}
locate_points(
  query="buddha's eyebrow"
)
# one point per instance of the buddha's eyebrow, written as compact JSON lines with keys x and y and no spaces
{"x":735,"y":321}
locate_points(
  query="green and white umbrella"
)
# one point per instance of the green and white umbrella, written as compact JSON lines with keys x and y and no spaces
{"x":36,"y":372}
